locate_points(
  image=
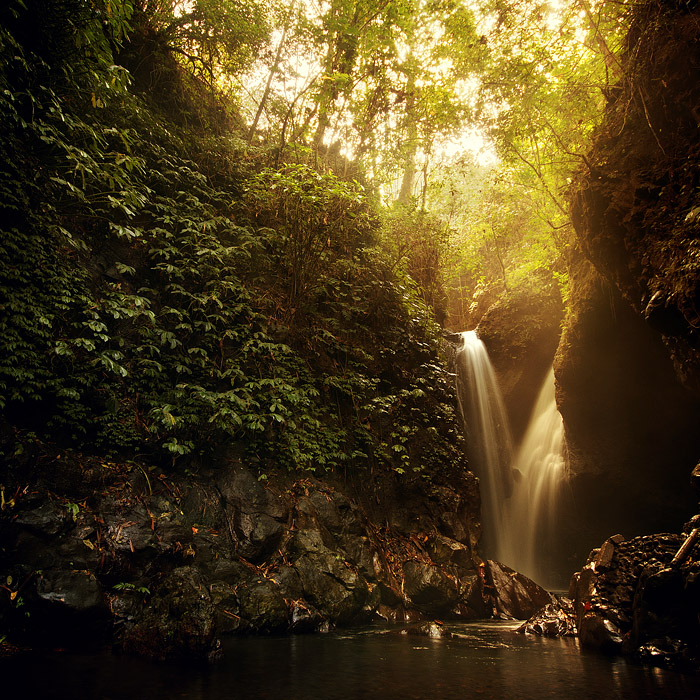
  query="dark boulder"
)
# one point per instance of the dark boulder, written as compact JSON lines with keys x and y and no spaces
{"x":178,"y":622}
{"x":262,"y":607}
{"x":432,"y":629}
{"x":514,"y":595}
{"x":639,"y":597}
{"x":556,"y":619}
{"x":258,"y":535}
{"x":429,"y":588}
{"x":328,"y":580}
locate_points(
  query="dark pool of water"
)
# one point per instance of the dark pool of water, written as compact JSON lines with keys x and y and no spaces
{"x":488,"y":660}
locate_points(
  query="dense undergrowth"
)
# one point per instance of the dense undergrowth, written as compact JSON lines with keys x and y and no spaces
{"x":166,"y":296}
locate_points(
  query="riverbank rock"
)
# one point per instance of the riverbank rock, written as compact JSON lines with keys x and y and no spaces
{"x":163,"y":566}
{"x":514,"y":596}
{"x":632,"y":598}
{"x":556,"y":619}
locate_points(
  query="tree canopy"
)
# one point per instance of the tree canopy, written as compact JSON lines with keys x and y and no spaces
{"x":226,"y":218}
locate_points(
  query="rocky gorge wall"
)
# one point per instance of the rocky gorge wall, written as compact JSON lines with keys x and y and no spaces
{"x":164,"y":565}
{"x":628,"y":366}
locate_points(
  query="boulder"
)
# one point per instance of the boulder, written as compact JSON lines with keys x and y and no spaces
{"x":514,"y":595}
{"x":632,"y":598}
{"x":556,"y":619}
{"x":329,"y":581}
{"x":262,"y":607}
{"x":258,"y":535}
{"x":179,"y":621}
{"x":598,"y":633}
{"x":243,"y":491}
{"x":429,"y":588}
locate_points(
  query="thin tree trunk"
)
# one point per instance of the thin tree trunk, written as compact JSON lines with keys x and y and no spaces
{"x":409,"y":173}
{"x":273,"y":70}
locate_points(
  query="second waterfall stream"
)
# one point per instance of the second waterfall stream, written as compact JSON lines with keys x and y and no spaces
{"x":520,"y":494}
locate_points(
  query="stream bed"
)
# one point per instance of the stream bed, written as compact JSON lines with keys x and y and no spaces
{"x":485,"y":660}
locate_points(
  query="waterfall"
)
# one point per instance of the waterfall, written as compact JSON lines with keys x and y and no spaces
{"x":488,"y":437}
{"x":519,"y":496}
{"x":539,"y":471}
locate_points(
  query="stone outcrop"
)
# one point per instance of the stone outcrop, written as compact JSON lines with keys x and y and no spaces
{"x":521,"y":333}
{"x":514,"y":595}
{"x":637,"y":597}
{"x":165,"y":565}
{"x":635,"y":208}
{"x":628,"y":366}
{"x":556,"y":619}
{"x":630,"y":425}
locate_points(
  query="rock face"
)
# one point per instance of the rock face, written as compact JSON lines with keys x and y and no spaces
{"x":556,"y":619}
{"x":514,"y":595}
{"x":628,"y":366}
{"x":521,"y":333}
{"x":636,"y":208}
{"x":165,"y":566}
{"x":630,"y":425}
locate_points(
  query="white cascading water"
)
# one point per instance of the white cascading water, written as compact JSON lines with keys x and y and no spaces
{"x":488,"y":437}
{"x":519,"y":497}
{"x":540,"y":472}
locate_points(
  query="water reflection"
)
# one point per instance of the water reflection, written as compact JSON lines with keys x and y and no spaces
{"x":485,"y":660}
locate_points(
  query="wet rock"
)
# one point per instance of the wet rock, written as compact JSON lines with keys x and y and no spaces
{"x":68,"y":608}
{"x":262,"y":607}
{"x":305,"y":618}
{"x":333,"y":587}
{"x":201,"y":505}
{"x":243,"y":491}
{"x":556,"y":619}
{"x":328,"y":511}
{"x":598,"y":633}
{"x":444,"y":550}
{"x":634,"y":602}
{"x":429,"y":588}
{"x":178,"y":623}
{"x":225,"y":599}
{"x":604,"y":556}
{"x":73,"y":590}
{"x":128,"y":528}
{"x":328,"y":580}
{"x":389,"y":595}
{"x":432,"y":629}
{"x":259,"y":535}
{"x":361,"y":553}
{"x":289,"y":582}
{"x":47,"y":519}
{"x":514,"y":595}
{"x":197,"y":559}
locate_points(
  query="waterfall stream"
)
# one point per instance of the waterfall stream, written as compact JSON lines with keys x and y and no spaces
{"x":519,"y":496}
{"x":488,"y":437}
{"x":539,"y":474}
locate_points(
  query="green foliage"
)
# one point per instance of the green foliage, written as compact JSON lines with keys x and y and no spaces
{"x":316,"y":218}
{"x":418,"y":242}
{"x":162,"y":299}
{"x":209,"y":37}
